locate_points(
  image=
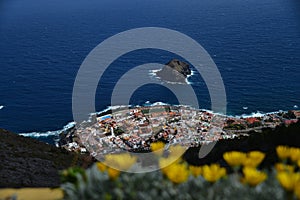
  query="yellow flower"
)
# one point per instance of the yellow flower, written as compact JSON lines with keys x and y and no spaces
{"x":234,"y":158}
{"x":176,"y":151}
{"x":164,"y":163}
{"x":177,"y":173}
{"x":195,"y":170}
{"x":213,"y":172}
{"x":157,"y":147}
{"x":113,"y":163}
{"x":120,"y":161}
{"x":283,"y":152}
{"x":256,"y":155}
{"x":254,"y":158}
{"x":253,"y":177}
{"x":101,"y":166}
{"x":280,"y":167}
{"x":288,"y":180}
{"x":297,"y":190}
{"x":295,"y":154}
{"x":113,"y":173}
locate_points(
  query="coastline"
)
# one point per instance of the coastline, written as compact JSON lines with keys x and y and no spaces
{"x":138,"y":130}
{"x":264,"y":139}
{"x":70,"y":125}
{"x":265,"y":142}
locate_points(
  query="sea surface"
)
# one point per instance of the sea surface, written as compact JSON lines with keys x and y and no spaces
{"x":255,"y":44}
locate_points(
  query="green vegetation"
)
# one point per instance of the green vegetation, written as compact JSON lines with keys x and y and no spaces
{"x":118,"y":131}
{"x":262,"y":166}
{"x":235,"y":127}
{"x":255,"y":124}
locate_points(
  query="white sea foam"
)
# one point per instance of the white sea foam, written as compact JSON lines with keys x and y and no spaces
{"x":254,"y":114}
{"x":40,"y":134}
{"x":48,"y":133}
{"x":72,"y":124}
{"x":128,"y":106}
{"x":111,"y":108}
{"x":159,"y":104}
{"x":118,"y":106}
{"x":153,"y":73}
{"x":245,"y":115}
{"x":102,"y":111}
{"x":192,"y":73}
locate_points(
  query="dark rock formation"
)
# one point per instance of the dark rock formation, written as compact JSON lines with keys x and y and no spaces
{"x":266,"y":141}
{"x":26,"y":162}
{"x":66,"y":136}
{"x":175,"y":71}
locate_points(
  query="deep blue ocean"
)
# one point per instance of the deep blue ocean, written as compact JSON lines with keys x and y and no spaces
{"x":255,"y":44}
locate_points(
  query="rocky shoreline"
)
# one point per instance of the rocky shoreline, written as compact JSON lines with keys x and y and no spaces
{"x":175,"y":71}
{"x":27,"y":162}
{"x":134,"y":129}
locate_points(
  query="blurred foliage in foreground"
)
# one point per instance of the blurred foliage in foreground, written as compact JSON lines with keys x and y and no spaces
{"x":244,"y":179}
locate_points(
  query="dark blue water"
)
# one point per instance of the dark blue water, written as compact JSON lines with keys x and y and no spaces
{"x":255,"y":44}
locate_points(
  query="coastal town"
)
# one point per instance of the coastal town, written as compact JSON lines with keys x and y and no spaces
{"x":135,"y":128}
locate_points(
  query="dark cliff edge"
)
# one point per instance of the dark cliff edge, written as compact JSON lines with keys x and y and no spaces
{"x":175,"y":71}
{"x":265,"y":141}
{"x":26,"y":162}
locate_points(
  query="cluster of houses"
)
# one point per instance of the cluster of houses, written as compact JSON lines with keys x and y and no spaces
{"x":134,"y":129}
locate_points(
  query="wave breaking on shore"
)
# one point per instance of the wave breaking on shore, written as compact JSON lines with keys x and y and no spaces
{"x":48,"y":133}
{"x":153,"y":73}
{"x":72,"y":124}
